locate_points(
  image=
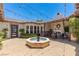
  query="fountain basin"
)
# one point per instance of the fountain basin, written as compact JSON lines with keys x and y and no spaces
{"x":32,"y":42}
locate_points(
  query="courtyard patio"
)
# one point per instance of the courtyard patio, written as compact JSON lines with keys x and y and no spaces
{"x":58,"y":47}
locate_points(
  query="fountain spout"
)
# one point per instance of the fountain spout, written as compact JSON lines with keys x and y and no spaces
{"x":38,"y":37}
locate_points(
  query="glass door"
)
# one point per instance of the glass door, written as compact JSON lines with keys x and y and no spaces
{"x":14,"y":31}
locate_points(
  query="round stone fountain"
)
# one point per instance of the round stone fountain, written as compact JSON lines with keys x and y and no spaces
{"x":37,"y":42}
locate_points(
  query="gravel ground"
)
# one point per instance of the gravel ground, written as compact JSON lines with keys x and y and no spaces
{"x":17,"y":47}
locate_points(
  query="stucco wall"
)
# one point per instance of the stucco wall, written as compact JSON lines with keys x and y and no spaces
{"x":47,"y":26}
{"x":53,"y":26}
{"x":66,"y":23}
{"x":7,"y":25}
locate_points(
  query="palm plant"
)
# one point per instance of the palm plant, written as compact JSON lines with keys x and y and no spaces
{"x":5,"y":32}
{"x":22,"y":33}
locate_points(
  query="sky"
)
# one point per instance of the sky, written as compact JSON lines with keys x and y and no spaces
{"x":36,"y":11}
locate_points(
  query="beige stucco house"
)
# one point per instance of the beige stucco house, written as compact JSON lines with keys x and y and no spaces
{"x":14,"y":26}
{"x":57,"y":25}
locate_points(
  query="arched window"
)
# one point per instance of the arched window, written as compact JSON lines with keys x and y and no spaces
{"x":34,"y":29}
{"x":27,"y":29}
{"x":31,"y":29}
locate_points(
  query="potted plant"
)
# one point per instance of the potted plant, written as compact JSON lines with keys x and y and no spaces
{"x":22,"y":33}
{"x":5,"y":32}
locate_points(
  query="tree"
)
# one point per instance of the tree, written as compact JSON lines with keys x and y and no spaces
{"x":74,"y":26}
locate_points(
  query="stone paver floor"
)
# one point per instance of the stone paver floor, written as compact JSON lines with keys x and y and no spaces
{"x":17,"y":47}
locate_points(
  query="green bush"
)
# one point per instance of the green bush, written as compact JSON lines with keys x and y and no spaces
{"x":25,"y":35}
{"x":1,"y":36}
{"x":5,"y":32}
{"x":30,"y":35}
{"x":21,"y":30}
{"x":22,"y":33}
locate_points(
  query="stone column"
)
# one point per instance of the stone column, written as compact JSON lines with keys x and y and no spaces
{"x":29,"y":29}
{"x":40,"y":29}
{"x":33,"y":29}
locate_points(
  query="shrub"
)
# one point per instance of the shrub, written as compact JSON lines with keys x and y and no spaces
{"x":21,"y":30}
{"x":1,"y":36}
{"x":30,"y":35}
{"x":5,"y":32}
{"x":25,"y":35}
{"x":22,"y":33}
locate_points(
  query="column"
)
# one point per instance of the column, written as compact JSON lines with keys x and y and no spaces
{"x":29,"y":29}
{"x":25,"y":28}
{"x":43,"y":29}
{"x":33,"y":29}
{"x":40,"y":29}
